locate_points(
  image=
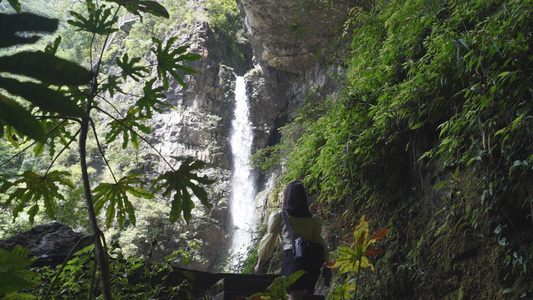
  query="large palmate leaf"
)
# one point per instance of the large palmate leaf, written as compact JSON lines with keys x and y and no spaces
{"x":126,"y":126}
{"x":12,"y":25}
{"x":115,"y":196}
{"x":43,"y":97}
{"x":137,"y":7}
{"x":99,"y":20}
{"x":169,"y":61}
{"x":179,"y":182}
{"x":343,"y":291}
{"x":354,"y":259}
{"x":15,"y":115}
{"x":129,"y":68}
{"x":36,"y":188}
{"x":45,"y":67}
{"x":150,"y":101}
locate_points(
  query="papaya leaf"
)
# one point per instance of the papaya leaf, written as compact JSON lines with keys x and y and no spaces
{"x":11,"y":25}
{"x":99,"y":21}
{"x":178,"y":182}
{"x":150,"y":100}
{"x":126,"y":126}
{"x":129,"y":69}
{"x":115,"y":195}
{"x":19,"y":118}
{"x":43,"y":97}
{"x":168,"y":61}
{"x":46,"y":68}
{"x":137,"y":6}
{"x":37,"y":187}
{"x":112,"y":86}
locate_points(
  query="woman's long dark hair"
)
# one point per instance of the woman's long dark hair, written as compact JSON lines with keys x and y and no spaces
{"x":295,"y":200}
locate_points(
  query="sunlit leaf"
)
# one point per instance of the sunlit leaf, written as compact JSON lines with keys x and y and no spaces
{"x":115,"y":197}
{"x":178,"y":183}
{"x":37,"y":187}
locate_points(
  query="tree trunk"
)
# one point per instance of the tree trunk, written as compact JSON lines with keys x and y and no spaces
{"x":100,"y":252}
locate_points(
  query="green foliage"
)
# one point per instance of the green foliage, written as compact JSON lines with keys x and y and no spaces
{"x":98,"y":21}
{"x":178,"y":183}
{"x":114,"y":195}
{"x":37,"y":187}
{"x":353,"y":259}
{"x":278,"y":288}
{"x":224,"y":17}
{"x":13,"y":277}
{"x":133,"y":278}
{"x":434,"y":89}
{"x":426,"y":80}
{"x":61,"y":109}
{"x":41,"y":66}
{"x":168,"y":61}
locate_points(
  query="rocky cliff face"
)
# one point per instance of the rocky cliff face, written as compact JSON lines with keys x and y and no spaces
{"x":283,"y":69}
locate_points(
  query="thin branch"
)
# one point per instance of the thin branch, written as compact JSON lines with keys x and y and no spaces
{"x":32,"y":144}
{"x":111,"y":104}
{"x":141,"y":137}
{"x":17,"y":154}
{"x":58,"y":117}
{"x":62,"y":150}
{"x":102,"y":151}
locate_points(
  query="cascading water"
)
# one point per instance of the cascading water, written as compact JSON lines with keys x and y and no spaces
{"x":242,"y":184}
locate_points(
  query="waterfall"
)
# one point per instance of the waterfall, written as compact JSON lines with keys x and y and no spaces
{"x":243,"y":192}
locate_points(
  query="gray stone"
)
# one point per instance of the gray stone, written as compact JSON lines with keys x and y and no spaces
{"x":51,"y":243}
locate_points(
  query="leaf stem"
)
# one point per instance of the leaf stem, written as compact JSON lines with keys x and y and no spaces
{"x":101,"y":150}
{"x":141,"y":137}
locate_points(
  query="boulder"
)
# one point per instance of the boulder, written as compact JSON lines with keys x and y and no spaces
{"x":50,"y":243}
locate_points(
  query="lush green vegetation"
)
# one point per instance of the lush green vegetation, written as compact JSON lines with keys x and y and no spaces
{"x":63,"y":103}
{"x":431,"y":138}
{"x":434,"y":123}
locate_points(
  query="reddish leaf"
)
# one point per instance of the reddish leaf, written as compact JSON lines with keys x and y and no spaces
{"x":374,"y":252}
{"x":362,"y":239}
{"x":381,"y":233}
{"x":330,"y":264}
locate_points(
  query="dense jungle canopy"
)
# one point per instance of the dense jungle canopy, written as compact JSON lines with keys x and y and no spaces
{"x":431,"y":136}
